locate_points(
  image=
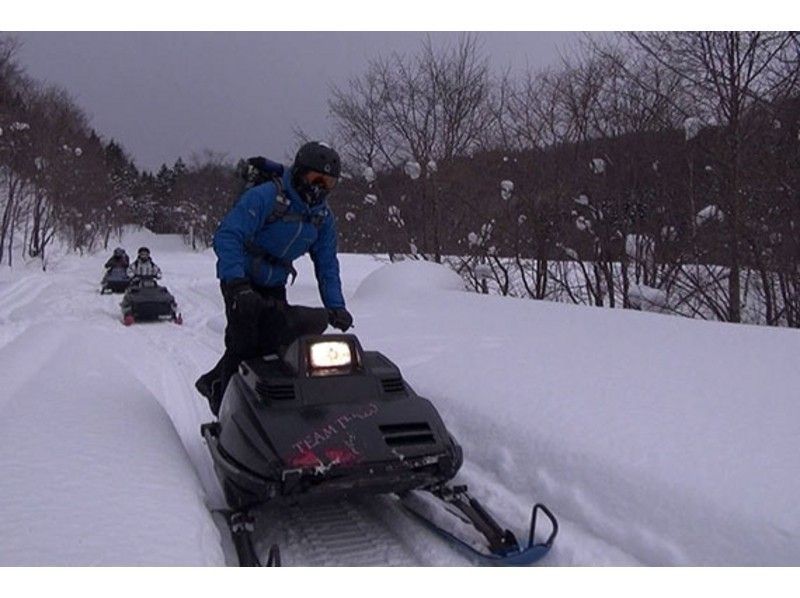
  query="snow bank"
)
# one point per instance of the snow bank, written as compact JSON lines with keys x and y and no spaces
{"x":648,"y":298}
{"x":92,"y":471}
{"x":409,"y":277}
{"x":134,"y":237}
{"x":672,"y":440}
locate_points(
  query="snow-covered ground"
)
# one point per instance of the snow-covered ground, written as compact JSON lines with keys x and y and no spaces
{"x":655,"y":440}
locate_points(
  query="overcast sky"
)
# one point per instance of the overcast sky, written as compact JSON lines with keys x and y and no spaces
{"x":164,"y":95}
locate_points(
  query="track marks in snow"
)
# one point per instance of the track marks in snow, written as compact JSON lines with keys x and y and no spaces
{"x":27,"y":355}
{"x":18,"y":295}
{"x":167,"y":363}
{"x":370,"y":531}
{"x":94,"y":473}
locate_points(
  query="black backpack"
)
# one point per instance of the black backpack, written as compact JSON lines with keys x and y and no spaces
{"x":257,"y":171}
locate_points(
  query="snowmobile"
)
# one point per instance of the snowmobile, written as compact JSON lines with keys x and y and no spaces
{"x":325,"y":420}
{"x":145,"y":300}
{"x":115,"y":280}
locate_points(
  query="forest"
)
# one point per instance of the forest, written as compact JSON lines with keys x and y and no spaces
{"x":653,"y":171}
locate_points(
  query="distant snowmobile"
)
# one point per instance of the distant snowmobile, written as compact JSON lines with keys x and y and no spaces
{"x":115,"y":280}
{"x":326,"y":420}
{"x":145,"y":300}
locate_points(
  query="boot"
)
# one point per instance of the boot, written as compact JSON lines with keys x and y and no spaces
{"x":210,"y":386}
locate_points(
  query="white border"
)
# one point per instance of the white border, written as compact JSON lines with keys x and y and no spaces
{"x":396,"y":15}
{"x":414,"y":15}
{"x":401,"y":582}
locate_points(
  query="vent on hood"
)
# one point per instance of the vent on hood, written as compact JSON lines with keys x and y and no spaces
{"x":275,"y":392}
{"x":393,"y":384}
{"x":398,"y":435}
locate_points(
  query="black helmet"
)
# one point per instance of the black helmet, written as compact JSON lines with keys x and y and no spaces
{"x":119,"y":252}
{"x":143,"y":250}
{"x":320,"y":157}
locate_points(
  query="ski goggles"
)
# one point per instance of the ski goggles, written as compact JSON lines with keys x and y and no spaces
{"x":323,"y":181}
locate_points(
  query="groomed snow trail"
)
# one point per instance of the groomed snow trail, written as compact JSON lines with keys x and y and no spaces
{"x":94,"y":405}
{"x":655,"y":440}
{"x":89,"y":461}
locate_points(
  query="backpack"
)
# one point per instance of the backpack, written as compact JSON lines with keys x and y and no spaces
{"x":259,"y":170}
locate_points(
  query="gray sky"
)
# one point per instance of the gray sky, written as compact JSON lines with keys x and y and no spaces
{"x":166,"y":94}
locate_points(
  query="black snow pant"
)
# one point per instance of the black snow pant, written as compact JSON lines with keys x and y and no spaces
{"x":278,"y":325}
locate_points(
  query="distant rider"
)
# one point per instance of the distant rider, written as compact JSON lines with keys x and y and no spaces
{"x":270,"y":226}
{"x":144,"y":266}
{"x":119,"y":259}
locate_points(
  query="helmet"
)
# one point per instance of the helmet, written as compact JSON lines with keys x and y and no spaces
{"x":143,"y":250}
{"x":119,"y":252}
{"x":318,"y":156}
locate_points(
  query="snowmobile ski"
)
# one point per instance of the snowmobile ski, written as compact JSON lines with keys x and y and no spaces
{"x":489,"y":543}
{"x":241,"y":525}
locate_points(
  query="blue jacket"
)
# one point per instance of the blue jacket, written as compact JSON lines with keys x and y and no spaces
{"x":281,"y":239}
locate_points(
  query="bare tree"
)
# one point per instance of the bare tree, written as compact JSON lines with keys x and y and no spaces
{"x":360,"y":122}
{"x":420,"y":113}
{"x":726,"y":74}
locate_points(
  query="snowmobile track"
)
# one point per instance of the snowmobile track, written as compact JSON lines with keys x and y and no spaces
{"x":342,"y":533}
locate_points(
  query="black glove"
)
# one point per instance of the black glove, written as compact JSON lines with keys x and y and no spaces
{"x":246,"y":304}
{"x":340,"y":318}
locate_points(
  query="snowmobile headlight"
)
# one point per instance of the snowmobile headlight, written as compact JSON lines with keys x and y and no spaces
{"x":331,"y":354}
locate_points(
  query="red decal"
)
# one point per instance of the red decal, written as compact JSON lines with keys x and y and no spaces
{"x":305,"y":459}
{"x":341,"y":456}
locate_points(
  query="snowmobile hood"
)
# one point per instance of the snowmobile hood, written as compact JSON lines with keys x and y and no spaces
{"x":309,"y":426}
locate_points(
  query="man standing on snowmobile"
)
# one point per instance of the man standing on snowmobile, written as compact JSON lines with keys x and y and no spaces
{"x":143,"y":266}
{"x":118,"y":260}
{"x":271,"y":225}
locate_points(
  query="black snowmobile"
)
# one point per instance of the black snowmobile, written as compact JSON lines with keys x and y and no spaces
{"x":326,"y":420}
{"x":115,"y":280}
{"x":145,"y":300}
